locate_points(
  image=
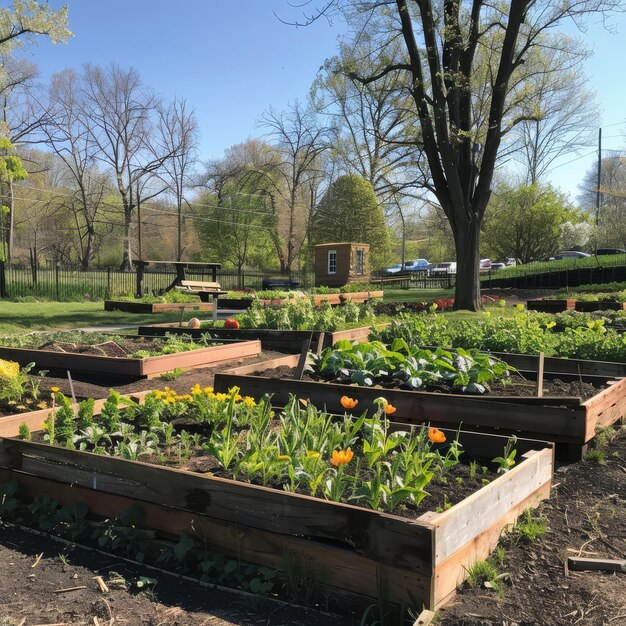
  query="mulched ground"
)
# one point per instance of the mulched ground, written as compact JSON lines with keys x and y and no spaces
{"x":586,"y":516}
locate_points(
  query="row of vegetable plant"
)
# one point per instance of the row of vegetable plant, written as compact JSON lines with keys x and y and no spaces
{"x":409,"y":366}
{"x":355,"y":459}
{"x":302,"y":314}
{"x":524,"y":333}
{"x":135,"y":346}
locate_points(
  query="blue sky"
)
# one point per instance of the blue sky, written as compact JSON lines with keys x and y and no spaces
{"x":232,"y":60}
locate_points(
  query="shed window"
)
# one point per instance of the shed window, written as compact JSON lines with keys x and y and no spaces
{"x":332,"y":261}
{"x":360,"y":262}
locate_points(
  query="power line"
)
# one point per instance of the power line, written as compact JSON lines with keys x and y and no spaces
{"x":145,"y":204}
{"x":576,"y":159}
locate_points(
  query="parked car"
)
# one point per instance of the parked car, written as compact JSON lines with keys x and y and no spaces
{"x":485,"y":264}
{"x":497,"y":266}
{"x":571,"y":254}
{"x":603,"y":251}
{"x":448,"y":267}
{"x":394,"y":269}
{"x":417,"y":265}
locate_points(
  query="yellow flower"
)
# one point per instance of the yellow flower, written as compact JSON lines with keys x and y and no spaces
{"x":196,"y":390}
{"x":487,"y":313}
{"x":341,"y":457}
{"x":54,"y":389}
{"x":520,"y":307}
{"x":248,"y":401}
{"x":9,"y":370}
{"x":284,"y":457}
{"x":208,"y":390}
{"x":42,"y":405}
{"x":311,"y":454}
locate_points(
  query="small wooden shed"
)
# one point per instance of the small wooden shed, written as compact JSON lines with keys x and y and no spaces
{"x":337,"y":264}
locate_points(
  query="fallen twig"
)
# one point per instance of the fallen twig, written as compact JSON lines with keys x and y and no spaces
{"x":108,"y":606}
{"x":69,"y":589}
{"x":103,"y":587}
{"x":37,"y":560}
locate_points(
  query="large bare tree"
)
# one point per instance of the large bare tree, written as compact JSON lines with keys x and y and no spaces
{"x":178,"y":130}
{"x":68,"y":133}
{"x":463,"y":120}
{"x":122,"y":113}
{"x":293,"y":180}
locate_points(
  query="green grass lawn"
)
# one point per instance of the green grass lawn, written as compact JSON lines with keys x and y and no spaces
{"x":416,"y":295}
{"x":23,"y":317}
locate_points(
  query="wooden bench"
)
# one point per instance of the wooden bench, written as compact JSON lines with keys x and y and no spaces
{"x":206,"y":291}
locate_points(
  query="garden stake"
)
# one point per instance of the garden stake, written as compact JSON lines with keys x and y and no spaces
{"x":69,"y":377}
{"x":306,"y":345}
{"x":540,"y":375}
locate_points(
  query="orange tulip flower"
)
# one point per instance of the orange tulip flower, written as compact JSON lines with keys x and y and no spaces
{"x":436,"y":436}
{"x":348,"y":403}
{"x":390,"y":409}
{"x":341,"y":457}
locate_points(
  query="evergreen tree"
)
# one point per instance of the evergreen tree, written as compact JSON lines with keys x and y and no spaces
{"x":349,"y":211}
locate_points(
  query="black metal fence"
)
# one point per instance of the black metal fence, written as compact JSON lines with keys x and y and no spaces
{"x":68,"y":283}
{"x":415,"y":280}
{"x":556,"y":279}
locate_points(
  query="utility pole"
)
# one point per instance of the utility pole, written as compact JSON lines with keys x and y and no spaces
{"x":598,"y":194}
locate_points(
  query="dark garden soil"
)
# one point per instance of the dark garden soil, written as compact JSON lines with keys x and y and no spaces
{"x":28,"y":598}
{"x":120,"y":348}
{"x":586,"y":517}
{"x":99,"y":387}
{"x":516,"y":386}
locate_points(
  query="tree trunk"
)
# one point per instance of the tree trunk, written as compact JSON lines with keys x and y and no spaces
{"x":11,"y":223}
{"x":467,"y":289}
{"x":126,"y":256}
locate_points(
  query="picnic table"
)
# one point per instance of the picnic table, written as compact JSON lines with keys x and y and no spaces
{"x":181,"y":272}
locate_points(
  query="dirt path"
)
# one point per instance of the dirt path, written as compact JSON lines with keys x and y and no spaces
{"x":586,"y":516}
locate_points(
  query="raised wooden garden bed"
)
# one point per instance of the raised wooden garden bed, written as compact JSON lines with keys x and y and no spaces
{"x":155,"y":307}
{"x":350,"y":554}
{"x":236,"y":304}
{"x":569,"y":422}
{"x":283,"y":340}
{"x":359,"y":297}
{"x":551,"y":306}
{"x":590,"y":307}
{"x":147,"y":367}
{"x":334,"y":299}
